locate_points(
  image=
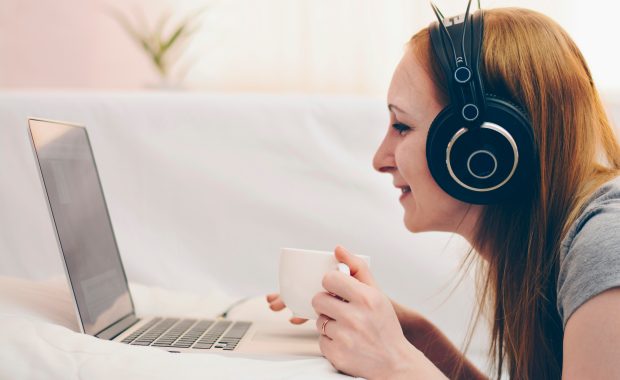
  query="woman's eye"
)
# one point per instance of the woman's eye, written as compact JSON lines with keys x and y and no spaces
{"x":401,"y":128}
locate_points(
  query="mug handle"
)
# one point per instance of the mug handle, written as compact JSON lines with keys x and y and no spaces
{"x":344,"y":268}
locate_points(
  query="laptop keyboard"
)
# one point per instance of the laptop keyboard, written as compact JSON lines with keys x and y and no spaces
{"x":189,"y":333}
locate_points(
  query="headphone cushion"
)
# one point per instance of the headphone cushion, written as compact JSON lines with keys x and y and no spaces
{"x":517,"y":108}
{"x":503,"y":147}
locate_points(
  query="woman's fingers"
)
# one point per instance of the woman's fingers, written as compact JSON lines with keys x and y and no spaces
{"x":325,"y":304}
{"x":359,"y":268}
{"x":297,"y":320}
{"x":346,"y":287}
{"x":276,"y":304}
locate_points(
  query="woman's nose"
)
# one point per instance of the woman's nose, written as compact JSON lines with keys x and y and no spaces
{"x":383,"y":160}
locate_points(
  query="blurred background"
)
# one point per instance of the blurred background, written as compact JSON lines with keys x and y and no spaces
{"x":226,"y":129}
{"x":307,"y":46}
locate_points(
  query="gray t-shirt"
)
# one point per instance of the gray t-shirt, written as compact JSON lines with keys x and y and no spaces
{"x":590,"y":252}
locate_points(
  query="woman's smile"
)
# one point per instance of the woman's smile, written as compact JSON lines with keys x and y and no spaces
{"x":405,"y":192}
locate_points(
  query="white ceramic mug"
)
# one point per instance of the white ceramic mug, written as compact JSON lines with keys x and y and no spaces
{"x":301,"y":276}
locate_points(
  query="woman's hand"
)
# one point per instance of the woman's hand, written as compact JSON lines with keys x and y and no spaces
{"x":362,"y":335}
{"x":276,"y":304}
{"x":359,"y":270}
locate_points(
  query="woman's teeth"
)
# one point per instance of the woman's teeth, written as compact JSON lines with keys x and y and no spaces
{"x":405,"y":189}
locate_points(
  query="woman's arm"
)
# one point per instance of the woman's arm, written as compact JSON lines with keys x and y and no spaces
{"x":427,"y":338}
{"x":592,"y":339}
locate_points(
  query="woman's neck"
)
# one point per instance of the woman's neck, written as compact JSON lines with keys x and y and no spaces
{"x":468,"y":228}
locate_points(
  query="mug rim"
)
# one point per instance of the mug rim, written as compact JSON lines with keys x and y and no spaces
{"x":314,"y":251}
{"x":303,"y":250}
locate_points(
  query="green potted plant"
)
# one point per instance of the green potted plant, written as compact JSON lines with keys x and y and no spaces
{"x":164,"y":43}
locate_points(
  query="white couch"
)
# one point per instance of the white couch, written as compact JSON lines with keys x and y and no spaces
{"x":203,"y":189}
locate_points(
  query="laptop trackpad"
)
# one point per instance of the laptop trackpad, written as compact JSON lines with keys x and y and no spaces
{"x":271,"y":335}
{"x":284,"y":339}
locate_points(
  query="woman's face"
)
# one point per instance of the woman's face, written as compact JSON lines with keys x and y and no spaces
{"x":413,"y":104}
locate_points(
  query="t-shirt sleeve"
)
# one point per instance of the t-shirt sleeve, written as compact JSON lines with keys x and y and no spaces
{"x":590,"y":262}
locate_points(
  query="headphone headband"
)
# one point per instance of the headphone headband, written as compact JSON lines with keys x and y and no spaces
{"x":457,"y":42}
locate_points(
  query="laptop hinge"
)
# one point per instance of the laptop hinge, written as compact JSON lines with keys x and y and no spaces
{"x":118,"y":327}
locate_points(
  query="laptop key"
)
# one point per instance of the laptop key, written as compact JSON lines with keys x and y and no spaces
{"x":201,"y":346}
{"x":140,"y":343}
{"x":161,"y":344}
{"x":181,"y":345}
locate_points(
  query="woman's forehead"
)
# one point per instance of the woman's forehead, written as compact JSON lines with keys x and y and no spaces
{"x":411,"y":88}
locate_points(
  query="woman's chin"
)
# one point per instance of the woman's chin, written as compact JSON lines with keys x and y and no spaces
{"x":413,"y":225}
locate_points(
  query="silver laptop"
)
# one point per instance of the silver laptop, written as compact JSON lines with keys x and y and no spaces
{"x":95,"y":272}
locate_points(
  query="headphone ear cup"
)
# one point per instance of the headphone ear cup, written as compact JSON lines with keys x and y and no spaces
{"x":509,"y":104}
{"x":484,"y":165}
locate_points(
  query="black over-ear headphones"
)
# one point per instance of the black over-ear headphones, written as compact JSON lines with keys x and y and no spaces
{"x":480,"y":148}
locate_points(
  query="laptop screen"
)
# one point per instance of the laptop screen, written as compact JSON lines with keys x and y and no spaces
{"x":82,"y":223}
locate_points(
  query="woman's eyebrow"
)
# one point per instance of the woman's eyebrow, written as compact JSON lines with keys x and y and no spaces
{"x":392,"y":107}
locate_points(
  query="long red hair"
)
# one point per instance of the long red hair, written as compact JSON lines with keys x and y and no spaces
{"x":531,"y":60}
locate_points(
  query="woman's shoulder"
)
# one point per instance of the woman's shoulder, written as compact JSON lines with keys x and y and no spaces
{"x":606,"y":199}
{"x":590,"y":252}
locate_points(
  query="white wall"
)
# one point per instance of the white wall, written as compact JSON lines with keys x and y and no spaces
{"x":347,"y":46}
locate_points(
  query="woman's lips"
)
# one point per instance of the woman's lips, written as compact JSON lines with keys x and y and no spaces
{"x":406,"y":191}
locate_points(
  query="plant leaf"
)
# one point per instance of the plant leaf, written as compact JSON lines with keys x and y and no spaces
{"x":177,"y":33}
{"x":184,"y":28}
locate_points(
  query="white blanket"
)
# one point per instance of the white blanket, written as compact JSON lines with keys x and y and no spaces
{"x":39,"y":340}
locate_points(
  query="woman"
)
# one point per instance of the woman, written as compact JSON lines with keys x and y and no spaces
{"x":550,"y":272}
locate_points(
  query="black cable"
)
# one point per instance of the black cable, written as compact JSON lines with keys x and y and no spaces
{"x":224,"y":314}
